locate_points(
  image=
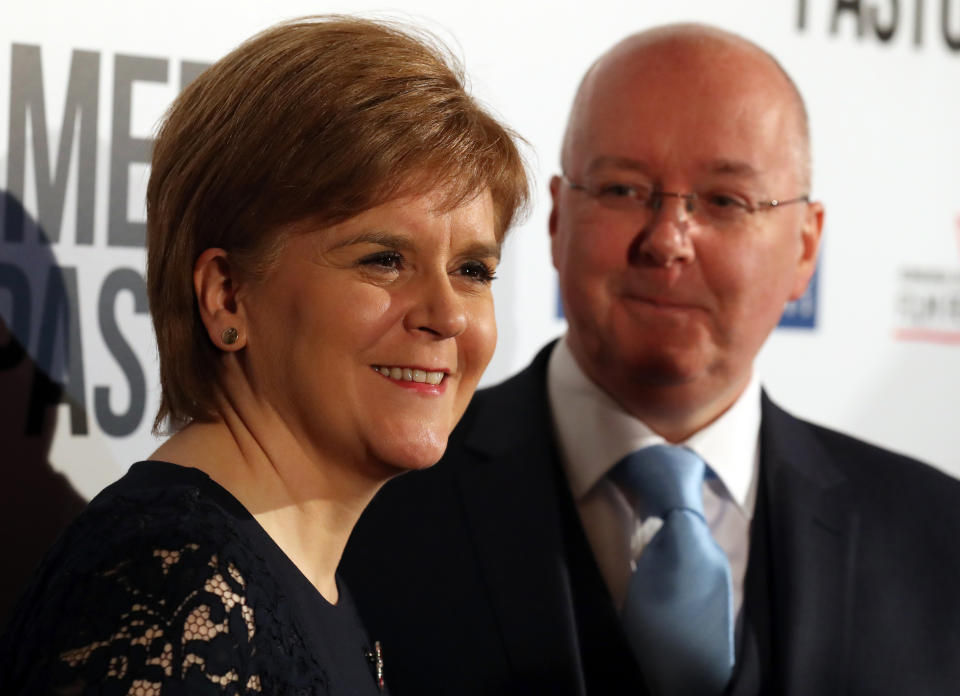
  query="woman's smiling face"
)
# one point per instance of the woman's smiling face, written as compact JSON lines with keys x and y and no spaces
{"x":367,"y":339}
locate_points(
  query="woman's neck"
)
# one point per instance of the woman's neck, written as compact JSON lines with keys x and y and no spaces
{"x":308,"y":506}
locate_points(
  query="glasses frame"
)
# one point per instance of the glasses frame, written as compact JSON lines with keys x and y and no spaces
{"x":656,"y":198}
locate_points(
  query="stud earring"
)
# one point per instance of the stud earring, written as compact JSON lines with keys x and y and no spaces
{"x":230,"y":336}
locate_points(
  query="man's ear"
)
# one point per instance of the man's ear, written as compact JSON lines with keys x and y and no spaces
{"x":215,"y":285}
{"x":809,"y":248}
{"x":555,"y":183}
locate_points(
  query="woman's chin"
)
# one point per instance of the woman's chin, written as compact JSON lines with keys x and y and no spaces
{"x":413,"y":454}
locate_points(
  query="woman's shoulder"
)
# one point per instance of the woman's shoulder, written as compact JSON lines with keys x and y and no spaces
{"x":157,"y":502}
{"x":154,"y":514}
{"x":156,"y":582}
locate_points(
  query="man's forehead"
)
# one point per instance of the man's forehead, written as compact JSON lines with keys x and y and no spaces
{"x":601,"y":162}
{"x":717,"y":70}
{"x":723,"y":130}
{"x":712,"y":104}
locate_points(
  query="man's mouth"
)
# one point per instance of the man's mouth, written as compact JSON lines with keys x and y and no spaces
{"x":663,"y":303}
{"x":410,"y":374}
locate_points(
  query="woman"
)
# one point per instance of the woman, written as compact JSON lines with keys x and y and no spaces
{"x":325,"y":211}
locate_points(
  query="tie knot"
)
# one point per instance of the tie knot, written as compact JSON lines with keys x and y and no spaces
{"x":663,"y":478}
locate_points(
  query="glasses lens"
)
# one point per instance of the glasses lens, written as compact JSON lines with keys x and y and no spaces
{"x":722,"y":209}
{"x":622,"y":196}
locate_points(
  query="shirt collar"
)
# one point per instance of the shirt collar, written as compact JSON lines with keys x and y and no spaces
{"x":594,"y":432}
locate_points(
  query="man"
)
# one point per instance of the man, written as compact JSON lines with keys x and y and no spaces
{"x":680,"y":227}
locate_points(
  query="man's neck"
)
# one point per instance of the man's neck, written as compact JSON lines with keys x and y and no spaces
{"x":674,"y":410}
{"x":594,"y":431}
{"x":670,"y":413}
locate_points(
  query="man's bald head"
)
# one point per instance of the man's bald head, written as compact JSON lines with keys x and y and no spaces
{"x":705,"y":52}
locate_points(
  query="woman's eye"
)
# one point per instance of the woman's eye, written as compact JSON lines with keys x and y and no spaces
{"x":478,"y":271}
{"x":391,"y":260}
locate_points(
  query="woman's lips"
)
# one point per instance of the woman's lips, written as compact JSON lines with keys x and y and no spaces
{"x":413,"y":377}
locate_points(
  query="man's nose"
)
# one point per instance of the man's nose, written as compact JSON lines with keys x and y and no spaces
{"x":665,"y":239}
{"x":436,"y":308}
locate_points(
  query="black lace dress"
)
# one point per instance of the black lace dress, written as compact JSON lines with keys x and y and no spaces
{"x":165,"y":584}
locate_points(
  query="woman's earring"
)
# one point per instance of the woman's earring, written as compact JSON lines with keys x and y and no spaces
{"x":229,"y":336}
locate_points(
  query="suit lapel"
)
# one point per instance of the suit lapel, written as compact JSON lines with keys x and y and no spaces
{"x":510,"y":501}
{"x":812,"y":531}
{"x":802,"y":560}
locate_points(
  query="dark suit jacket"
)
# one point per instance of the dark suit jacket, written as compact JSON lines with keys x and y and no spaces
{"x":477,"y":578}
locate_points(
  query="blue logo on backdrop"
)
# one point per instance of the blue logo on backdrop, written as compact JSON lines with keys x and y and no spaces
{"x":802,"y":312}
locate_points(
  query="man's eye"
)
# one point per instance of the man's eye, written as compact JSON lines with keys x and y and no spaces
{"x":624,"y":195}
{"x":723,"y":200}
{"x":390,"y":260}
{"x":617,"y":191}
{"x":478,"y":271}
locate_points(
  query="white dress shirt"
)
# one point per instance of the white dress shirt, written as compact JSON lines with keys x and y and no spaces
{"x":594,"y":433}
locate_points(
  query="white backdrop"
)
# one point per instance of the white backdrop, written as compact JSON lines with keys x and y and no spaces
{"x":881,"y":82}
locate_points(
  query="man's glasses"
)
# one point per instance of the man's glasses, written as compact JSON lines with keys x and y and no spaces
{"x":705,"y":208}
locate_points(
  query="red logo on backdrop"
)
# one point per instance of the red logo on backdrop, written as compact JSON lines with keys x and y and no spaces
{"x":928,"y":303}
{"x":957,"y":231}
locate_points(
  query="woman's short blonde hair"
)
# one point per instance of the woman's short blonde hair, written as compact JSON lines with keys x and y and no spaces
{"x":319,"y":118}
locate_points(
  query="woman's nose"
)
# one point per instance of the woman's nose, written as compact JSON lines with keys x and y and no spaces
{"x":436,"y":308}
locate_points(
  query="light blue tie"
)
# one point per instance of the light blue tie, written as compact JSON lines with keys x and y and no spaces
{"x":678,"y":613}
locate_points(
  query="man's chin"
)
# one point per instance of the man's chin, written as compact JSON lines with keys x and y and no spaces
{"x":666,"y":361}
{"x":653,"y":374}
{"x":666,"y":372}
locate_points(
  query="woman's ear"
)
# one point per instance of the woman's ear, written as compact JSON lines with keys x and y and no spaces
{"x":215,"y":285}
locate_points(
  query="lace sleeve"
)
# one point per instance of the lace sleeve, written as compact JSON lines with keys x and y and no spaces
{"x":177,"y":617}
{"x":172,"y":604}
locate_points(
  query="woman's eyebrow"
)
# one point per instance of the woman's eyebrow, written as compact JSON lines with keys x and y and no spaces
{"x":482,"y":250}
{"x":401,"y":243}
{"x":375,"y":236}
